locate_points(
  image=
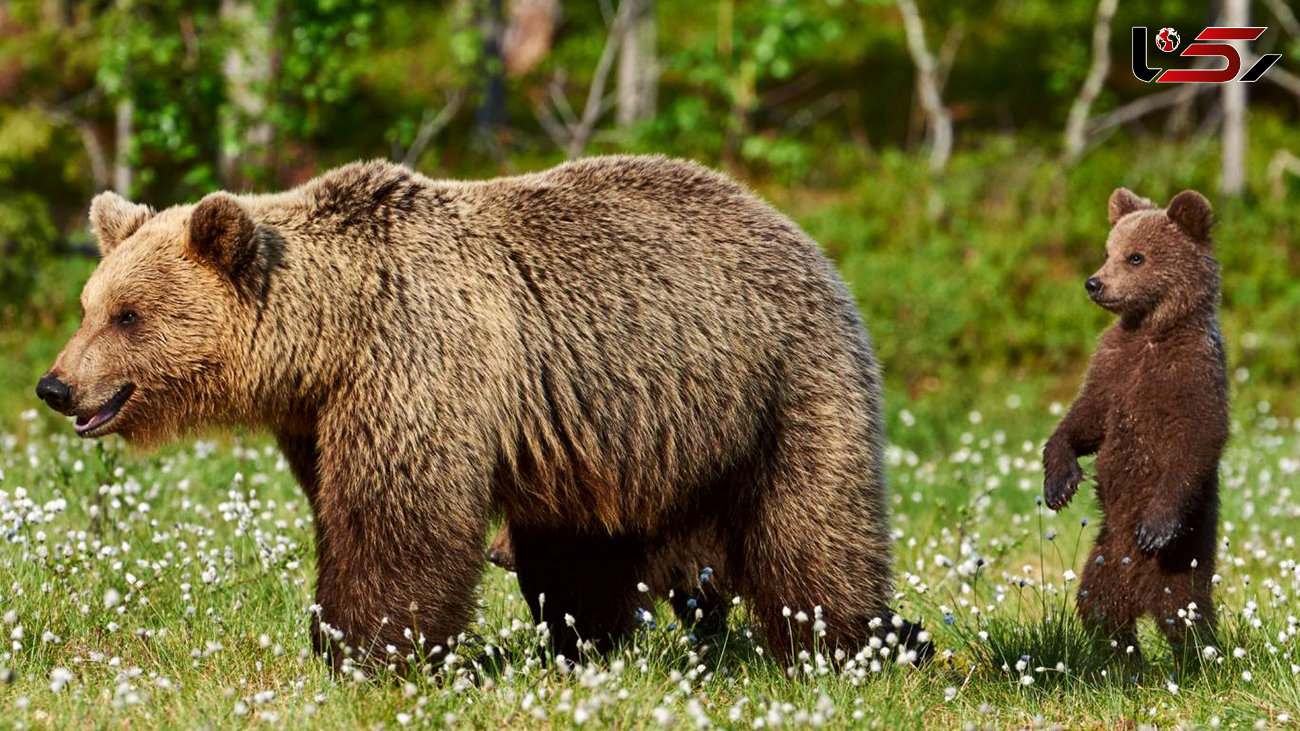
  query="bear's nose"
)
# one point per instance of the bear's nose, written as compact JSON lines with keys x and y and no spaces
{"x":1094,"y":286}
{"x":54,"y":392}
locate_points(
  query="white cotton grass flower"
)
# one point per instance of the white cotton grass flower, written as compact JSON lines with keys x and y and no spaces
{"x":59,"y":677}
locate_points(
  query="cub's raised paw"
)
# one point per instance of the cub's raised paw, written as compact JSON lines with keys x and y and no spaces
{"x":1059,"y":487}
{"x":1154,"y":535}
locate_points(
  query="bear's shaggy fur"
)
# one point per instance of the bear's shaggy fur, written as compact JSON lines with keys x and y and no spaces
{"x":615,"y":355}
{"x":1154,"y":408}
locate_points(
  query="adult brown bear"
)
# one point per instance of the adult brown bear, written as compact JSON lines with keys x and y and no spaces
{"x":613,"y":354}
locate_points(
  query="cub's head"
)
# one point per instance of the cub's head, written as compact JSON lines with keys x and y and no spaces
{"x":1159,"y":263}
{"x":161,"y":318}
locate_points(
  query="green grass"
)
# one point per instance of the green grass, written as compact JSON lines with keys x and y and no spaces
{"x":174,"y":589}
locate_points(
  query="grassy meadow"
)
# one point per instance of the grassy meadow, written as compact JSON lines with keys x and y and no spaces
{"x":174,"y":590}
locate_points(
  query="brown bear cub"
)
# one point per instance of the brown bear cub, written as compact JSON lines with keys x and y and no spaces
{"x":614,"y":355}
{"x":1154,"y":408}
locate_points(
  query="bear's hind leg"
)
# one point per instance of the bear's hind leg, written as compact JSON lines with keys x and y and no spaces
{"x":1106,"y":603}
{"x":1183,"y":605}
{"x":583,"y":586}
{"x":704,"y":609}
{"x":814,"y":538}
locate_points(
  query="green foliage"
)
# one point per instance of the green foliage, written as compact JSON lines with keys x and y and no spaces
{"x":29,"y":188}
{"x":323,"y":40}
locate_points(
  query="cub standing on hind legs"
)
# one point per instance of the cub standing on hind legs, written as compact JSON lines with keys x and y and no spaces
{"x":1154,"y":408}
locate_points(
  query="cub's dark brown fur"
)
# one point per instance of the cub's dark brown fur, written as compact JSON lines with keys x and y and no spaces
{"x":1154,"y":408}
{"x":687,"y":572}
{"x":613,"y":355}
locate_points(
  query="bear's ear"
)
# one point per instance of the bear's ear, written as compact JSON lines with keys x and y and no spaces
{"x":114,"y":218}
{"x":1191,"y":211}
{"x":222,"y":234}
{"x":1123,"y":202}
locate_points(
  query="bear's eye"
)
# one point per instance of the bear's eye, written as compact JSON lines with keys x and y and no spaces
{"x":126,"y":318}
{"x":1135,"y":259}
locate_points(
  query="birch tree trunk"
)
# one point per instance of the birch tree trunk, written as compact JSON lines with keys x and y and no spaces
{"x":638,"y":72}
{"x":1233,"y":178}
{"x":246,"y":133}
{"x":1076,"y":129}
{"x":123,"y":173}
{"x":927,"y":86}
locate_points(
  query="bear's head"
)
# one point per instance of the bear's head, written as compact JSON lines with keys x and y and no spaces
{"x":161,"y":318}
{"x":1160,"y":264}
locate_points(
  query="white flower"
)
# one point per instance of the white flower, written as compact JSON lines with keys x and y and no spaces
{"x":59,"y":677}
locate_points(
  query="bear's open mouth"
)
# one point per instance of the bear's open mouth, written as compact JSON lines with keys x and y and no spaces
{"x":109,"y":411}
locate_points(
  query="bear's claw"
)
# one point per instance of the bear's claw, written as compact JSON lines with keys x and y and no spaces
{"x":1058,"y":489}
{"x":1154,"y":536}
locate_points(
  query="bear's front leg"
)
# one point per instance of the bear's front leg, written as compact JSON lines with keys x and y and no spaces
{"x":400,"y":552}
{"x":394,"y":590}
{"x":1061,"y":474}
{"x":1079,"y":433}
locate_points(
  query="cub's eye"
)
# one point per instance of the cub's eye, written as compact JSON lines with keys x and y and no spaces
{"x":126,"y":318}
{"x":1136,"y":259}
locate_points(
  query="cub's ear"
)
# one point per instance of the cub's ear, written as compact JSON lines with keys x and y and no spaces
{"x":114,"y":218}
{"x":222,"y":234}
{"x":1123,"y":202}
{"x":1191,"y":211}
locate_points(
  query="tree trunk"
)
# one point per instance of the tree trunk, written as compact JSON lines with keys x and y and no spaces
{"x":1233,"y":181}
{"x":927,"y":85}
{"x":529,"y":34}
{"x":55,"y":13}
{"x":592,"y":110}
{"x":638,"y":72}
{"x":492,"y":108}
{"x":1076,"y":129}
{"x":246,"y":133}
{"x":125,"y":130}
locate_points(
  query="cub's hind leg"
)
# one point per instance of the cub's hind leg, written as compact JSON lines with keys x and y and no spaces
{"x":582,"y":585}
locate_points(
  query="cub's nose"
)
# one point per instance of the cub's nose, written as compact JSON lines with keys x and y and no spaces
{"x":55,"y":393}
{"x":1094,"y":286}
